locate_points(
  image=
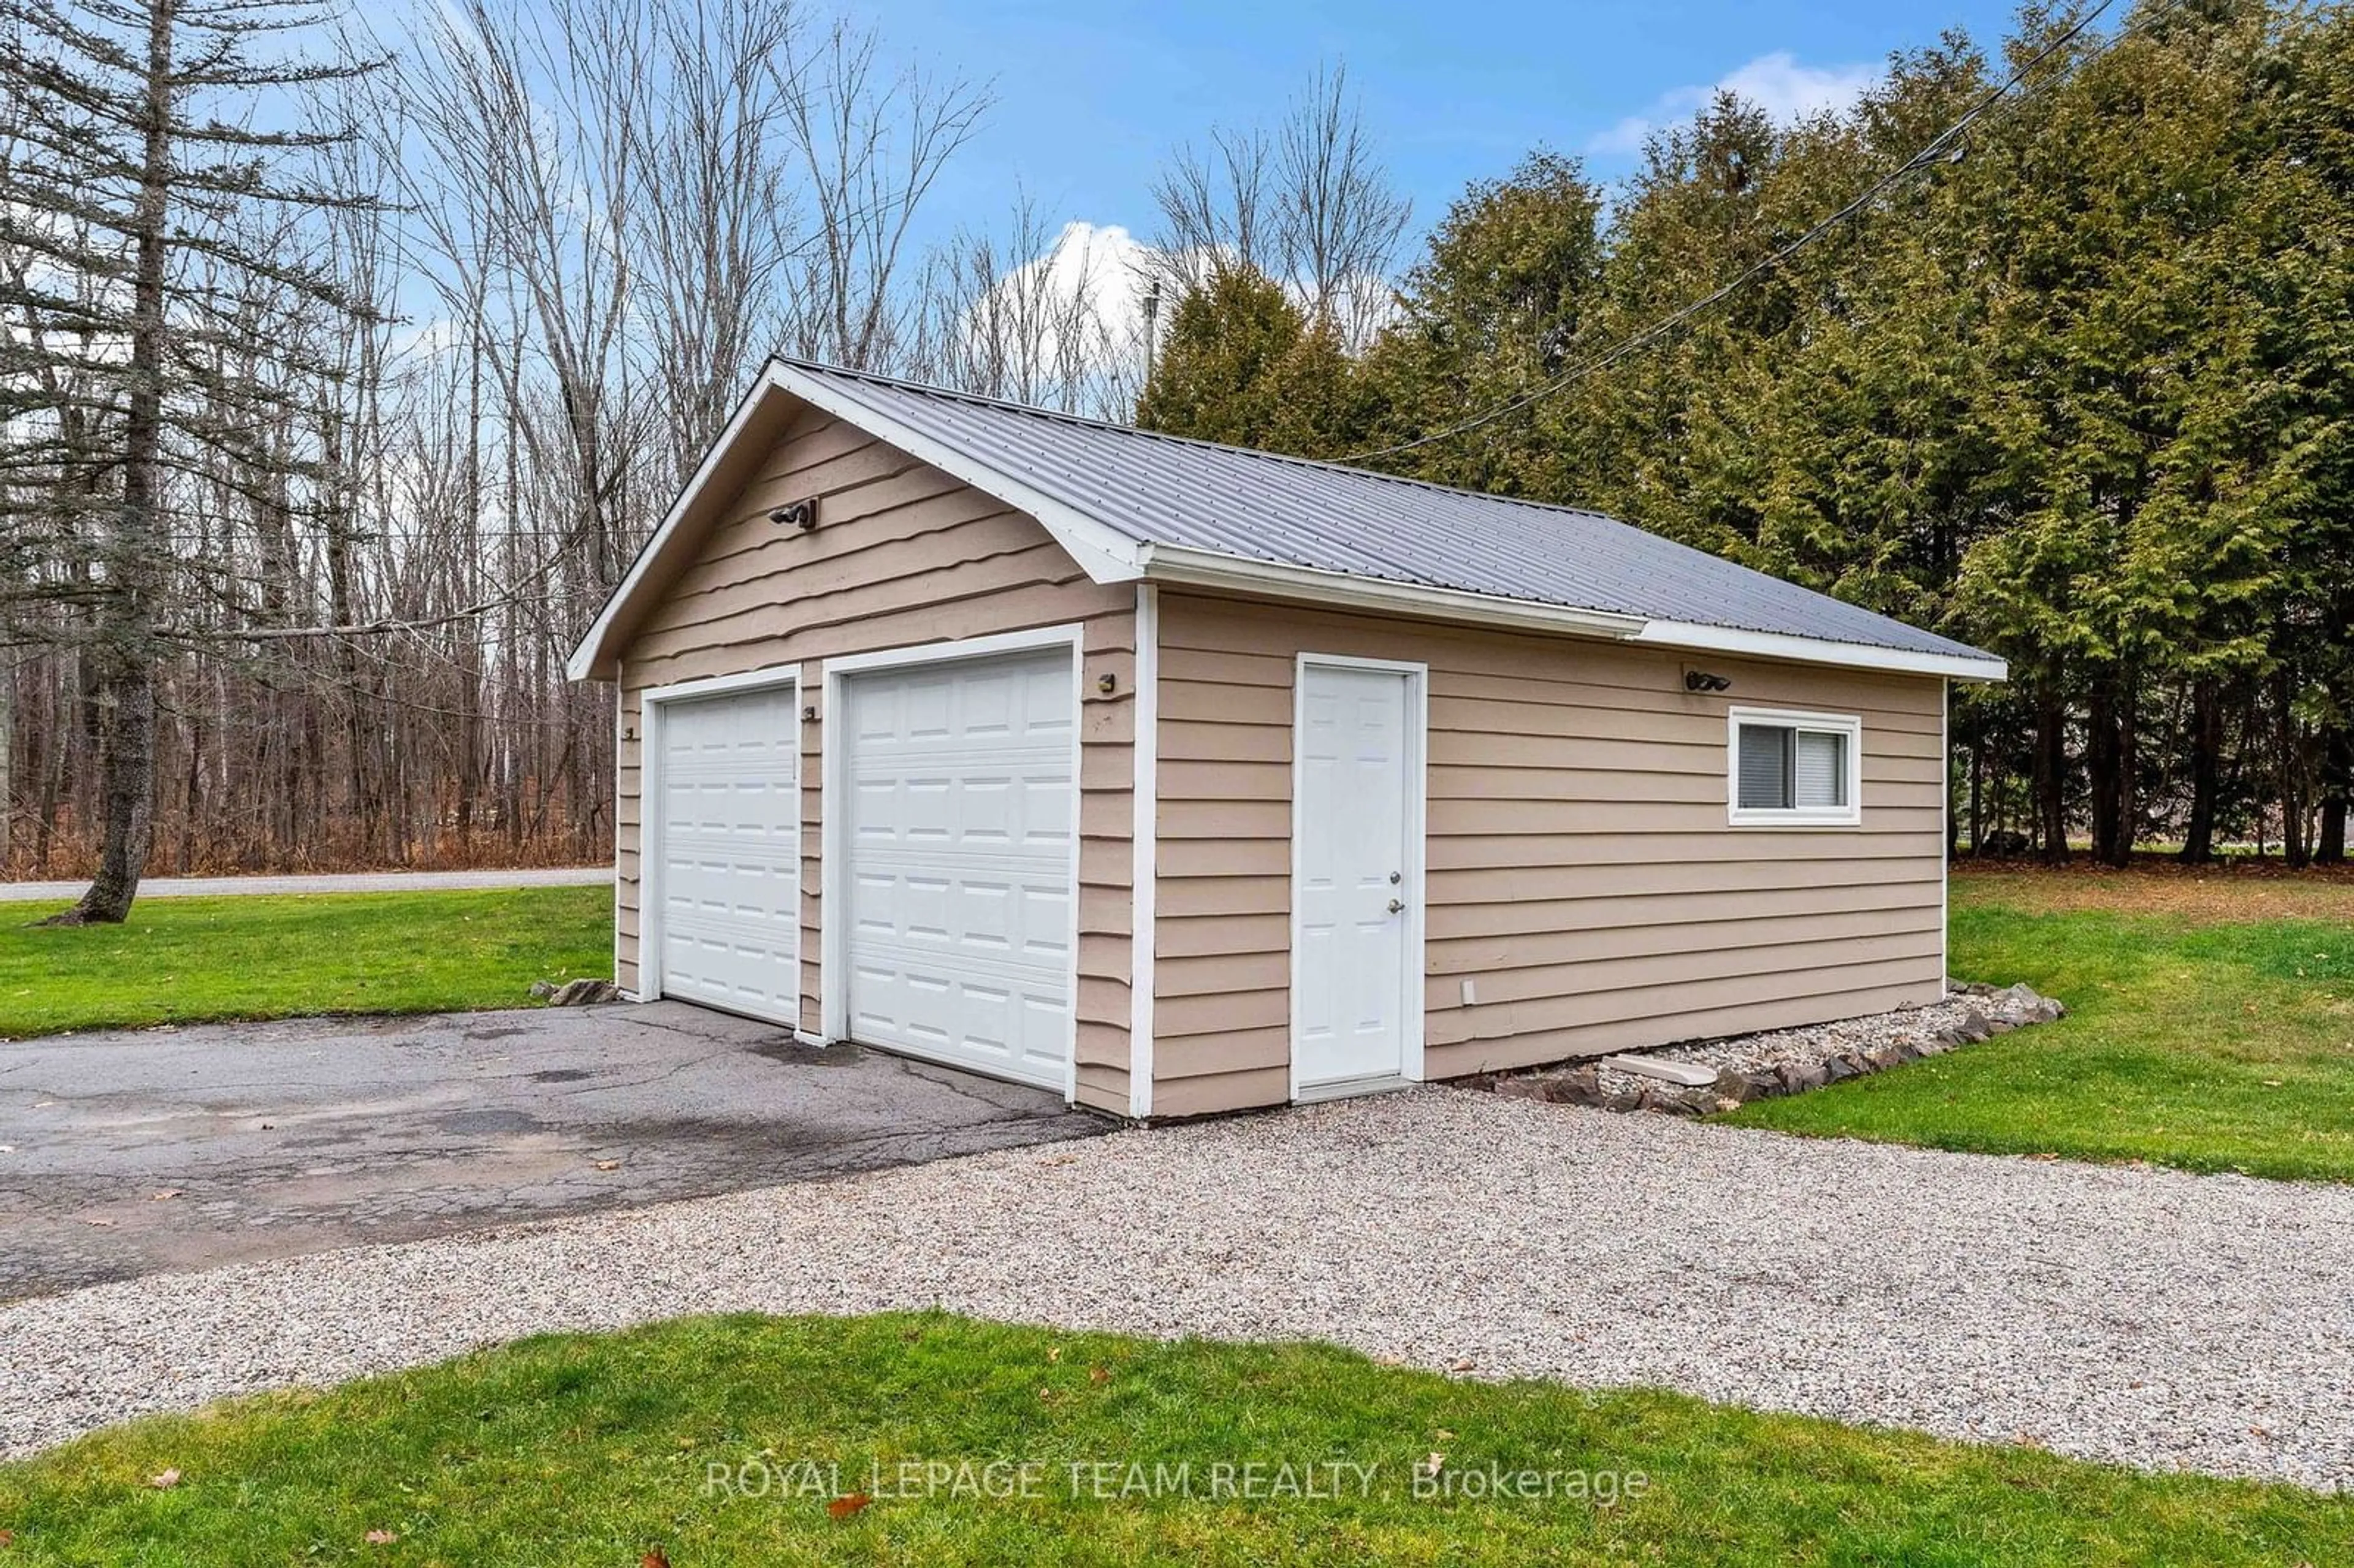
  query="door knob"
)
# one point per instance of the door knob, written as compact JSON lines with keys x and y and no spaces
{"x":1397,"y":905}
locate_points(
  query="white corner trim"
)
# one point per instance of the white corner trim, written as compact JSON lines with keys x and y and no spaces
{"x":1211,"y":569}
{"x":1415,"y":964}
{"x":620,"y":711}
{"x":1848,"y":725}
{"x":1945,"y":828}
{"x":1781,"y":646}
{"x":1145,"y":863}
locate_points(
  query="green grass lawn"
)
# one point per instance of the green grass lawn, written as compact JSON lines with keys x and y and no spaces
{"x":596,"y":1451}
{"x":2210,"y":1026}
{"x":184,"y":961}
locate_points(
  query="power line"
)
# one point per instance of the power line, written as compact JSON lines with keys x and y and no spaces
{"x":1931,"y":152}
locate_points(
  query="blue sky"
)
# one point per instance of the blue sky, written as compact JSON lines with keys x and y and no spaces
{"x":1093,"y":93}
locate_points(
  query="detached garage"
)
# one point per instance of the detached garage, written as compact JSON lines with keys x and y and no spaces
{"x":1183,"y":779}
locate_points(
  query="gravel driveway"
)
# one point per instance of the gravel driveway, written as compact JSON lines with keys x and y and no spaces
{"x":2146,"y":1316}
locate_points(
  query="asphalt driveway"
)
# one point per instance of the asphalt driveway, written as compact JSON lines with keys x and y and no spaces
{"x":144,"y":1151}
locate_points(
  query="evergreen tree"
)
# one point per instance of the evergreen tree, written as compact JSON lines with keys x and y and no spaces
{"x":1496,"y":306}
{"x":1241,"y":364}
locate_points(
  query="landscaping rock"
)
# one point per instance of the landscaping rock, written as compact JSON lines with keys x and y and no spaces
{"x":584,"y":992}
{"x":1579,"y":1085}
{"x":1737,"y":1070}
{"x":1798,"y":1077}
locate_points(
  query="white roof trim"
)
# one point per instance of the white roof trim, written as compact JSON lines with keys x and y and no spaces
{"x":1105,"y":554}
{"x":1108,"y":556}
{"x":584,"y":652}
{"x":1782,"y":646}
{"x":1214,"y":570}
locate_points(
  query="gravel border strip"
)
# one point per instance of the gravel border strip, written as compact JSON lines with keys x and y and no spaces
{"x":2143,"y":1317}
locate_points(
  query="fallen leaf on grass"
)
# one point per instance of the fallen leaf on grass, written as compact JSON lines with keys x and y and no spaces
{"x":164,"y":1480}
{"x":1431,"y":1464}
{"x":1054,"y":1353}
{"x":8,"y":1537}
{"x":381,"y":1537}
{"x":843,"y":1508}
{"x":653,"y":1559}
{"x":1099,"y":1375}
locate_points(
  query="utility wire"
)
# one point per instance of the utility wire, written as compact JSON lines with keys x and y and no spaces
{"x":1931,"y":152}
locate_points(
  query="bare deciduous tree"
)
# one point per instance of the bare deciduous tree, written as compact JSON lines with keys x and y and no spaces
{"x":1309,"y":206}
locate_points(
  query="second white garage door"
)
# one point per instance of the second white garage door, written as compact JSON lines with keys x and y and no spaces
{"x":958,"y":840}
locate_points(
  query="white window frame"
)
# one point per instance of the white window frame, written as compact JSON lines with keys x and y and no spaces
{"x":833,"y":785}
{"x":1847,"y":725}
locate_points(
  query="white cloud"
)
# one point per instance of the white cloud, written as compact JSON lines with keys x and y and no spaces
{"x":1777,"y":83}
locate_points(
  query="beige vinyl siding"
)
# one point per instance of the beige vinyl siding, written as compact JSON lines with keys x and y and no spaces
{"x":1581,"y":868}
{"x":903,"y":556}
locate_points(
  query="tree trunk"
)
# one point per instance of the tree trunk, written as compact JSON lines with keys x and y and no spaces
{"x":2125,"y":790}
{"x":2296,"y":847}
{"x":2102,"y":772}
{"x":7,"y":771}
{"x":2051,"y":773}
{"x":2336,"y":786}
{"x":2206,"y":772}
{"x":125,"y":611}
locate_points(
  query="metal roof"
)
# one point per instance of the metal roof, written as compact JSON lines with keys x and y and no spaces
{"x":1168,"y":491}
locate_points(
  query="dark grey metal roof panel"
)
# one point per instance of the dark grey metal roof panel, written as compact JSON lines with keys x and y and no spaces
{"x":1167,"y":491}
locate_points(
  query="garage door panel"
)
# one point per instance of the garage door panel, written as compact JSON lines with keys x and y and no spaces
{"x":731,"y":851}
{"x":960,"y":845}
{"x":937,"y":903}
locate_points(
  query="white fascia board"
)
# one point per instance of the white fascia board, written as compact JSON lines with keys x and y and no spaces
{"x":583,"y":659}
{"x":1777,"y":645}
{"x":1193,"y":568}
{"x":1208,"y":568}
{"x":1105,"y":554}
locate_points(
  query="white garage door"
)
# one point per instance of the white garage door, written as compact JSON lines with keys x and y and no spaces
{"x":731,"y":851}
{"x":958,"y":849}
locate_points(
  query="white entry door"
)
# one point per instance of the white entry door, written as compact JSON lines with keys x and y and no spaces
{"x":728,"y":841}
{"x":959,"y":829}
{"x":1356,"y":957}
